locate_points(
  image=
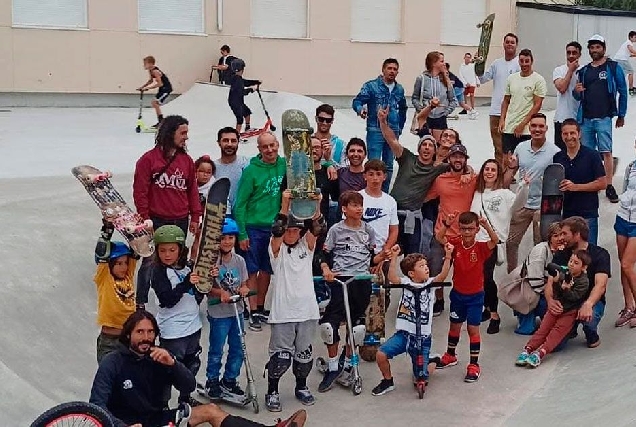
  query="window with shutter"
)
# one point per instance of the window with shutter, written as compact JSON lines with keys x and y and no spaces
{"x":279,"y":18}
{"x":171,"y":16}
{"x":376,"y":20}
{"x":66,"y":14}
{"x":459,"y":21}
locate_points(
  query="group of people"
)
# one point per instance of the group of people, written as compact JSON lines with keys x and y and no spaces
{"x":439,"y":212}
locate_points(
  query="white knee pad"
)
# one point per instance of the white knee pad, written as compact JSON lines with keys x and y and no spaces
{"x":326,"y":333}
{"x":359,"y":332}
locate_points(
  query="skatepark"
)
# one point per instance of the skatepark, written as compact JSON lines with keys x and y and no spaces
{"x":48,"y":299}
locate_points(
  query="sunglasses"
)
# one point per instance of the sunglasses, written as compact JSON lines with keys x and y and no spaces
{"x":324,"y":119}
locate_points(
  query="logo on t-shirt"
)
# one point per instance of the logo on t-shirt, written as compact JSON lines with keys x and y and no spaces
{"x":372,"y":214}
{"x":229,"y":278}
{"x":127,"y":385}
{"x":602,"y":75}
{"x":176,"y":181}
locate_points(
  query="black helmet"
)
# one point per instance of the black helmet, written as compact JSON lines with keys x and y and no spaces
{"x":237,"y":65}
{"x":293,"y":222}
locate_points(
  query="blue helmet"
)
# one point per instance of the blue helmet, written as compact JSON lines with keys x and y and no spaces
{"x":230,"y":227}
{"x":117,"y":249}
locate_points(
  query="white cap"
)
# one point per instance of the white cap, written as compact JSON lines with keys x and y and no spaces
{"x":596,"y":38}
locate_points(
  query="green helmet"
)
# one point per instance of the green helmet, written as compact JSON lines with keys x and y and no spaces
{"x":169,"y":234}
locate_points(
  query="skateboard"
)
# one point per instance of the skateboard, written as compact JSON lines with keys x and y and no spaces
{"x":551,"y":197}
{"x":300,"y":166}
{"x":484,"y":44}
{"x":114,"y":208}
{"x":210,"y":240}
{"x":375,"y":319}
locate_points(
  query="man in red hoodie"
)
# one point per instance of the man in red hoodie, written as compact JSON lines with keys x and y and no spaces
{"x":165,"y":188}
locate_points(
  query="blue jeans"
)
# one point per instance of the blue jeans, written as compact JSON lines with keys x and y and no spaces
{"x":592,"y":223}
{"x":377,"y":148}
{"x":597,"y":134}
{"x":403,"y":342}
{"x":528,"y":322}
{"x":590,"y":329}
{"x":221,"y":330}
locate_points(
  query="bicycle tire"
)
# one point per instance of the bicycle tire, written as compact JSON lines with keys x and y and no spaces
{"x":88,"y":414}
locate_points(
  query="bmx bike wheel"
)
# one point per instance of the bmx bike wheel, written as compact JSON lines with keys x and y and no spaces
{"x":76,"y":414}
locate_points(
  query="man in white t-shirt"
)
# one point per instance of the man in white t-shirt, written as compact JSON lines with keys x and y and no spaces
{"x":498,"y":72}
{"x":380,"y":209}
{"x":469,"y":79}
{"x":523,"y":98}
{"x":623,"y":56}
{"x":564,"y":79}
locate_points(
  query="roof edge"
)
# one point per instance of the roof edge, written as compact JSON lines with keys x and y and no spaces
{"x":576,"y":9}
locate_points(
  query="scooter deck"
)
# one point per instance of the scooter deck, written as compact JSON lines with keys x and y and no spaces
{"x":226,"y":397}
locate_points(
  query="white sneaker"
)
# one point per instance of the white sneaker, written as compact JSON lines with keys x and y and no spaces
{"x":473,"y":114}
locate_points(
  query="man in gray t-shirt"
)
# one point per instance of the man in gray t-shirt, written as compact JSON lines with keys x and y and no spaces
{"x":230,"y":165}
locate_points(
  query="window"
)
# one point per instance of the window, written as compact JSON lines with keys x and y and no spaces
{"x":171,"y":16}
{"x":279,"y":19}
{"x":50,"y":14}
{"x":376,"y":20}
{"x":459,"y":21}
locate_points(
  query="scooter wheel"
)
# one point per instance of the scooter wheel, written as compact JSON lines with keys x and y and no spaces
{"x":356,"y":387}
{"x":420,"y":390}
{"x":255,"y":406}
{"x":138,"y":129}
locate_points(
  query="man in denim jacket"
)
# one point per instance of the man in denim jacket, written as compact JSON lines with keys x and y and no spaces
{"x":382,"y":92}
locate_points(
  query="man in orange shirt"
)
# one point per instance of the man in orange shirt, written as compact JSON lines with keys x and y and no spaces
{"x":455,"y":191}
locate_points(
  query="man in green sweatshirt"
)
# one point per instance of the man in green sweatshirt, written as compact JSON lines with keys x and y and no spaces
{"x":258,"y":200}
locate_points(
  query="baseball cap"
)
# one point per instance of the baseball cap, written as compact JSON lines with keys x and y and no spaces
{"x":426,"y":138}
{"x":458,"y":148}
{"x":596,"y":39}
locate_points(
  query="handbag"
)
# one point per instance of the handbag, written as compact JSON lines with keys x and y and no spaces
{"x":518,"y":291}
{"x":501,"y":252}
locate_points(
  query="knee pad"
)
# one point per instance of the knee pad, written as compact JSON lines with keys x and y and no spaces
{"x":326,"y":333}
{"x":302,"y":370}
{"x":359,"y":332}
{"x":278,"y":364}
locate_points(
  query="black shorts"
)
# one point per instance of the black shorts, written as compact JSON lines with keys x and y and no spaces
{"x":159,"y":418}
{"x":359,"y":292}
{"x":439,"y":123}
{"x":162,"y":95}
{"x":509,"y":141}
{"x":240,"y":113}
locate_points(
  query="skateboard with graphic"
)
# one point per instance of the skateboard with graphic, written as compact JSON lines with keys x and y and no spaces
{"x":551,"y":197}
{"x":484,"y":44}
{"x":375,"y":316}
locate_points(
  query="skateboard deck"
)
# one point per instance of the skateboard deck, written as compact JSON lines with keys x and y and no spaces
{"x":300,"y":166}
{"x":484,"y":44}
{"x":210,"y":241}
{"x":114,"y":208}
{"x":374,"y":320}
{"x":551,"y":197}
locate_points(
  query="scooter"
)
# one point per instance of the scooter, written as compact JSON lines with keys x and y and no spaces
{"x":141,"y":127}
{"x":250,"y":390}
{"x":266,"y":127}
{"x":321,"y":363}
{"x":420,"y":369}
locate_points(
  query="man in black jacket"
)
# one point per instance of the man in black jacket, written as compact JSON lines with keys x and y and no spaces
{"x":130,"y":384}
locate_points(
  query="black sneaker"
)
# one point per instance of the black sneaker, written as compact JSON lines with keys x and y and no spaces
{"x":247,"y":127}
{"x":384,"y":387}
{"x":182,"y":415}
{"x":463,"y":112}
{"x":213,"y":389}
{"x":231,"y":387}
{"x":610,"y":193}
{"x":263,"y":316}
{"x":328,"y":380}
{"x":190,"y":401}
{"x":493,"y":326}
{"x":272,"y":401}
{"x":305,"y":396}
{"x":438,"y":307}
{"x":255,"y":323}
{"x":155,"y":126}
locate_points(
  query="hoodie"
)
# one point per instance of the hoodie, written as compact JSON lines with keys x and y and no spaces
{"x":172,"y":195}
{"x":428,"y":87}
{"x":258,"y":196}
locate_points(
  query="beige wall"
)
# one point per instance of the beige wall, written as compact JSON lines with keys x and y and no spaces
{"x":107,"y":57}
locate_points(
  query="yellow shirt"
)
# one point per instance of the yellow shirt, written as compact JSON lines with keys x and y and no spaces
{"x":115,"y":298}
{"x":522,"y":91}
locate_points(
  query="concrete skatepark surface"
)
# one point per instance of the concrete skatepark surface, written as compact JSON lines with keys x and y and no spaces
{"x":48,"y":302}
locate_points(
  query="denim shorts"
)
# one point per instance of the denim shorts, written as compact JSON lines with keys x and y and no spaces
{"x":402,"y":342}
{"x":459,"y":94}
{"x":597,"y":134}
{"x":466,"y":308}
{"x":257,"y":256}
{"x":623,"y":227}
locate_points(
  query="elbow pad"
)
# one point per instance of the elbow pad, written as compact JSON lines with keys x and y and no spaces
{"x":279,"y":226}
{"x":102,"y":250}
{"x":317,"y":226}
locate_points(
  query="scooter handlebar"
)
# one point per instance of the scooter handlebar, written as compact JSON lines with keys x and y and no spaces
{"x":233,"y":299}
{"x":407,"y":286}
{"x":350,"y":276}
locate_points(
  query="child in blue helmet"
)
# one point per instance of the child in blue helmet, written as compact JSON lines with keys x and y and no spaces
{"x":232,"y":280}
{"x":116,"y":265}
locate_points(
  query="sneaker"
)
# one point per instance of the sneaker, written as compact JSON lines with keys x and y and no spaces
{"x":446,"y":361}
{"x":346,"y":379}
{"x":463,"y":112}
{"x":522,"y":359}
{"x":213,"y":389}
{"x":263,"y":316}
{"x":296,"y":420}
{"x":593,"y":340}
{"x":384,"y":387}
{"x":473,"y":115}
{"x":534,"y":359}
{"x":438,"y":307}
{"x":435,"y":359}
{"x":190,"y":401}
{"x":182,"y":415}
{"x":472,"y":373}
{"x":610,"y":193}
{"x":305,"y":396}
{"x":272,"y":401}
{"x":255,"y":323}
{"x":231,"y":387}
{"x":328,"y":380}
{"x":155,"y":126}
{"x":247,"y":127}
{"x":624,"y":317}
{"x":493,"y":326}
{"x":632,"y":321}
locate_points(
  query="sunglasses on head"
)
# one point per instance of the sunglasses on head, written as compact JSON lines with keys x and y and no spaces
{"x":324,"y":119}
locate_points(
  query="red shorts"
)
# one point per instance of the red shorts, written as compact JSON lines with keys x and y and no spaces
{"x":469,"y":90}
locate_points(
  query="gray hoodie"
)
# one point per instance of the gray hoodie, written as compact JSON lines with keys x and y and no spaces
{"x":426,"y":88}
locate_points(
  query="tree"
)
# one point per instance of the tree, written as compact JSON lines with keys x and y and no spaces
{"x":610,"y":4}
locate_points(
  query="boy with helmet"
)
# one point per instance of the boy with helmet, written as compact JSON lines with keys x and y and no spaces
{"x":116,"y":265}
{"x":236,"y":97}
{"x":294,"y":313}
{"x":232,"y":280}
{"x":178,"y":314}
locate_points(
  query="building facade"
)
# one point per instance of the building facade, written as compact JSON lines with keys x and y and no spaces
{"x":314,"y":47}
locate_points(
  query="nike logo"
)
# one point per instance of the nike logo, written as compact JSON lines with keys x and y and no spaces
{"x":374,"y":218}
